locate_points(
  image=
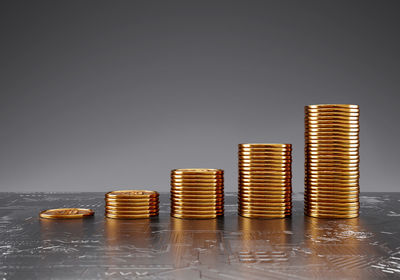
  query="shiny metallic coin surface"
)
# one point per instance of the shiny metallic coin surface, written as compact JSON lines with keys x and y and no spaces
{"x":66,"y":213}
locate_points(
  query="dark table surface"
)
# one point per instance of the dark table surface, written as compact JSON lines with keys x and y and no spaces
{"x":231,"y":247}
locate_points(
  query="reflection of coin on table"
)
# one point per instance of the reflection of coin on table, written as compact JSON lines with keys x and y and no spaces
{"x":66,"y":213}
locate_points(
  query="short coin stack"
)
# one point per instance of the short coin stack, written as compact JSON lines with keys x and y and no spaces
{"x":197,"y":193}
{"x":131,"y":204}
{"x":331,"y":161}
{"x":265,"y":180}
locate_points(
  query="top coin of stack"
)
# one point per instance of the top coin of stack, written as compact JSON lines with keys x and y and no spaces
{"x":332,"y":161}
{"x":197,"y":193}
{"x":265,"y":180}
{"x":131,"y":204}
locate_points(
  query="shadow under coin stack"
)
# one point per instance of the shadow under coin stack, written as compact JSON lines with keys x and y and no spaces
{"x":131,"y":204}
{"x":331,"y":161}
{"x":197,"y":193}
{"x":265,"y":180}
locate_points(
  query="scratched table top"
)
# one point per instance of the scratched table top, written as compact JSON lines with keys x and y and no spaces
{"x":231,"y":247}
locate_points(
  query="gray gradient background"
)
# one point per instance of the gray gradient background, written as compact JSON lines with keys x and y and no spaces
{"x":98,"y":95}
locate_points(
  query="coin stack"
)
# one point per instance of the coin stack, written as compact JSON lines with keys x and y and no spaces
{"x":131,"y":204}
{"x":197,"y":193}
{"x":265,"y":180}
{"x":331,"y":161}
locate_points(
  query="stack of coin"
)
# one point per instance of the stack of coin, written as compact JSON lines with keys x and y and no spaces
{"x":265,"y":180}
{"x":131,"y":204}
{"x":197,"y":193}
{"x":331,"y":161}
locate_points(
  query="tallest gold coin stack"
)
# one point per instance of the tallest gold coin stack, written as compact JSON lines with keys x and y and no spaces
{"x":331,"y":161}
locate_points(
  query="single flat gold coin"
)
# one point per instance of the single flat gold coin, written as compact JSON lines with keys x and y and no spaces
{"x":66,"y":213}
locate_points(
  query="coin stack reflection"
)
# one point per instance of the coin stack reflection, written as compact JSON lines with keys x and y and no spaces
{"x":331,"y":161}
{"x":265,"y":180}
{"x":131,"y":204}
{"x":197,"y":193}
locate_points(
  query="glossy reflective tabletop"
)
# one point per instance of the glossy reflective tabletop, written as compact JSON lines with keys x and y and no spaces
{"x":166,"y":248}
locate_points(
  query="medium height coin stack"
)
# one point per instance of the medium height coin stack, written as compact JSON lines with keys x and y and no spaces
{"x":331,"y":161}
{"x":265,"y":180}
{"x":131,"y":204}
{"x":197,"y":193}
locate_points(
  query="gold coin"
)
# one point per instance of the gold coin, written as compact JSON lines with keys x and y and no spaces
{"x":335,"y":189}
{"x":194,"y":188}
{"x":196,"y":192}
{"x":337,"y":160}
{"x":265,"y":173}
{"x":200,"y":207}
{"x":259,"y":194}
{"x":331,"y":149}
{"x":320,"y":193}
{"x":177,"y":210}
{"x":336,"y":212}
{"x":266,"y":153}
{"x":275,"y":176}
{"x":197,"y":199}
{"x":278,"y":165}
{"x":196,"y":181}
{"x":263,"y":186}
{"x":333,"y":205}
{"x":264,"y":145}
{"x":132,"y":194}
{"x":132,"y":204}
{"x":265,"y":207}
{"x":261,"y":216}
{"x":197,"y":171}
{"x":131,"y":213}
{"x":66,"y":213}
{"x":281,"y":163}
{"x":141,"y":216}
{"x":334,"y":172}
{"x":286,"y":201}
{"x":332,"y":216}
{"x":197,"y":178}
{"x":340,"y":120}
{"x":342,"y":197}
{"x":196,"y":196}
{"x":332,"y":186}
{"x":331,"y":116}
{"x":262,"y":204}
{"x":332,"y":112}
{"x":135,"y":208}
{"x":194,"y":217}
{"x":131,"y":200}
{"x":331,"y":198}
{"x":323,"y":154}
{"x":263,"y":182}
{"x":265,"y":212}
{"x":265,"y":198}
{"x":199,"y":184}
